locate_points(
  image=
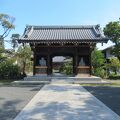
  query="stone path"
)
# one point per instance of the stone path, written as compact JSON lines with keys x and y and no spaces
{"x":65,"y":102}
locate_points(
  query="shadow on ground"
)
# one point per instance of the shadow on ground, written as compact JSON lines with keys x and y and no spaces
{"x":77,"y":107}
{"x":8,"y":110}
{"x":110,"y":96}
{"x":13,"y":99}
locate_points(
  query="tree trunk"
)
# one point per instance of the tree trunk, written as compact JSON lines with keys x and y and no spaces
{"x":115,"y":72}
{"x":24,"y":65}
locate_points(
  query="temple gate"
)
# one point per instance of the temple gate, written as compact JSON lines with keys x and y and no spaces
{"x":75,"y":41}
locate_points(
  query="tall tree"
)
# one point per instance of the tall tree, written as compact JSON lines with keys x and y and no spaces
{"x":6,"y":23}
{"x":23,"y":57}
{"x":98,"y":59}
{"x":114,"y":64}
{"x":112,"y":30}
{"x":14,"y":42}
{"x":98,"y":63}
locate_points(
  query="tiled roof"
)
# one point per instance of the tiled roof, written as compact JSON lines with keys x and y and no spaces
{"x":63,"y":33}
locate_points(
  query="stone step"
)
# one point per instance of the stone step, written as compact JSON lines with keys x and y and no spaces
{"x":80,"y":82}
{"x":79,"y":78}
{"x":88,"y":79}
{"x":91,"y":82}
{"x":37,"y":78}
{"x":48,"y":78}
{"x":30,"y":82}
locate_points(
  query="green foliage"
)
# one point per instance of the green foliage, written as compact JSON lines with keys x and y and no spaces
{"x":2,"y":52}
{"x":116,"y":51}
{"x":98,"y":61}
{"x":14,"y":42}
{"x":2,"y":58}
{"x":67,"y":68}
{"x":6,"y":25}
{"x":1,"y":43}
{"x":23,"y":56}
{"x":112,"y":30}
{"x":97,"y":58}
{"x":8,"y":70}
{"x":100,"y":72}
{"x":114,"y":65}
{"x":6,"y":22}
{"x":114,"y":77}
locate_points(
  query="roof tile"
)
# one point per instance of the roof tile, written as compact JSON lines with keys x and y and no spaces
{"x":62,"y":33}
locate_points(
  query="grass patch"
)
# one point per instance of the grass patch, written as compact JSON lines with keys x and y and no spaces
{"x":95,"y":84}
{"x":115,"y":83}
{"x":6,"y":82}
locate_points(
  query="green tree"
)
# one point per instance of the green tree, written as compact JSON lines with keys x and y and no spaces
{"x":9,"y":70}
{"x":98,"y":59}
{"x":114,"y":65}
{"x":98,"y":63}
{"x":24,"y":57}
{"x":67,"y":67}
{"x":6,"y":23}
{"x":14,"y":42}
{"x":2,"y":58}
{"x":112,"y":30}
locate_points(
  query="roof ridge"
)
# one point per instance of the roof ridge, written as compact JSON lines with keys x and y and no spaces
{"x":61,"y":26}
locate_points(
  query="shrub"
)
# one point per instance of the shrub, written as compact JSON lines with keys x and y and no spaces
{"x":98,"y":63}
{"x":67,"y":68}
{"x":100,"y":72}
{"x":8,"y":70}
{"x":97,"y":58}
{"x":114,"y":65}
{"x":114,"y":77}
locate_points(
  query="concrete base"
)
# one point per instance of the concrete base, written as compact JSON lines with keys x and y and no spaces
{"x":36,"y":80}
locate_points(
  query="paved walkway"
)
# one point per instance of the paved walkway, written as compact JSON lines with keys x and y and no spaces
{"x":65,"y":102}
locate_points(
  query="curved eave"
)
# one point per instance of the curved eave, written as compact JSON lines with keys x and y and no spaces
{"x":64,"y":41}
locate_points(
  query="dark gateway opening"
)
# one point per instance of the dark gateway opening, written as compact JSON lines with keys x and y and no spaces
{"x":62,"y":66}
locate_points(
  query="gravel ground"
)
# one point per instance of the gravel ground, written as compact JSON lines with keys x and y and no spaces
{"x":110,"y":96}
{"x":13,"y":99}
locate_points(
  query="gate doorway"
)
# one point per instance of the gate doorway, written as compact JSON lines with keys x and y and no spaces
{"x":62,"y":65}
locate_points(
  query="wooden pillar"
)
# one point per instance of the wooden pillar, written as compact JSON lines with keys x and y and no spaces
{"x":34,"y":60}
{"x":90,"y":51}
{"x":74,"y":65}
{"x":76,"y":61}
{"x":48,"y":62}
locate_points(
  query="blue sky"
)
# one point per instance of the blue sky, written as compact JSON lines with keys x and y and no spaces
{"x":60,"y":12}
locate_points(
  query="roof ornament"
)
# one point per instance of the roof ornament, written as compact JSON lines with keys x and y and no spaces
{"x":96,"y":30}
{"x":98,"y":26}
